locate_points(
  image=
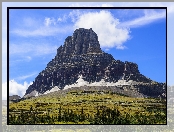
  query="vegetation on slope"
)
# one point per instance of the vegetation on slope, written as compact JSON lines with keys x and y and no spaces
{"x":87,"y":107}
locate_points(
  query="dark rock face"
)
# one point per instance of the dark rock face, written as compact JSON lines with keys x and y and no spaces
{"x":81,"y":55}
{"x":82,"y":41}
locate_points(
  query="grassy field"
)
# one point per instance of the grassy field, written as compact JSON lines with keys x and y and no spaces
{"x":88,"y":107}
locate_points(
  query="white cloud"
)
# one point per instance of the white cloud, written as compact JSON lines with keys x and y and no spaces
{"x":14,"y":89}
{"x":59,"y":19}
{"x":74,"y":15}
{"x":26,"y":76}
{"x":15,"y":62}
{"x":105,"y":25}
{"x":30,"y":27}
{"x":49,"y":21}
{"x":27,"y":48}
{"x":62,"y":19}
{"x":149,"y":17}
{"x":42,"y":31}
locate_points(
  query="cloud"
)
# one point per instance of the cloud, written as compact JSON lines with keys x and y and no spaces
{"x":30,"y":27}
{"x":74,"y":15}
{"x":27,"y":48}
{"x":20,"y":59}
{"x":48,"y":21}
{"x":23,"y":58}
{"x":62,"y":19}
{"x":42,"y":31}
{"x":14,"y":89}
{"x":149,"y":17}
{"x":26,"y":76}
{"x":105,"y":25}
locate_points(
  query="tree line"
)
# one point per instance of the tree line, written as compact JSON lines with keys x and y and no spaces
{"x":102,"y":116}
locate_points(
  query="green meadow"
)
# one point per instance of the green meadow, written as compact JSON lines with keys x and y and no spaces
{"x":88,"y":107}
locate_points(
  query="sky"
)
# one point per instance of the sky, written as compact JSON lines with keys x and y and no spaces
{"x":132,"y":35}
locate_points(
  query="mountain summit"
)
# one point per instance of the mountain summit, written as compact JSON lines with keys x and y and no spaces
{"x":80,"y":61}
{"x":82,"y":41}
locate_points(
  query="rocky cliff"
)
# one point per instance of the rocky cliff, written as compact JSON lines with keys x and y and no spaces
{"x":81,"y":55}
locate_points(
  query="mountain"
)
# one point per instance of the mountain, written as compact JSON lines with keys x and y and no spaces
{"x":80,"y":61}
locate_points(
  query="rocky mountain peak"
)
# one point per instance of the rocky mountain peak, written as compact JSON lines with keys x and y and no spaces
{"x":83,"y":41}
{"x":82,"y":56}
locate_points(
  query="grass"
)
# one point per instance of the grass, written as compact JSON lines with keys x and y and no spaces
{"x":75,"y":101}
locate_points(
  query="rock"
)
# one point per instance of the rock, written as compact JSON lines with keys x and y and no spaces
{"x":14,"y":98}
{"x":81,"y":55}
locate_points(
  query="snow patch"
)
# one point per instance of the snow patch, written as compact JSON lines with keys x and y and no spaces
{"x":52,"y":90}
{"x":32,"y":94}
{"x":81,"y":82}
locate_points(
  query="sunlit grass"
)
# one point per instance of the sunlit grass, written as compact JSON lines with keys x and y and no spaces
{"x":76,"y":101}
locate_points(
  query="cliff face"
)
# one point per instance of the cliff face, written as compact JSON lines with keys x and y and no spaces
{"x":81,"y":55}
{"x":82,"y":41}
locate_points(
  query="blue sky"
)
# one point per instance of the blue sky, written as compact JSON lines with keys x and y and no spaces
{"x":35,"y":36}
